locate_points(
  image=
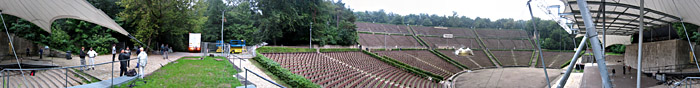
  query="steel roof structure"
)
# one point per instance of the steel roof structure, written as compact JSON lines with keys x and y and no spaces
{"x":621,"y":17}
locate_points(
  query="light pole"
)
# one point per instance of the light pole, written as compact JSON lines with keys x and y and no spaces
{"x":222,"y":31}
{"x":311,"y":27}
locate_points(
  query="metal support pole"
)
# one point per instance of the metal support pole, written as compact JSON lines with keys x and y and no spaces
{"x":639,"y":47}
{"x":537,"y":42}
{"x":565,"y":77}
{"x":311,"y":27}
{"x":604,"y":30}
{"x":246,"y":76}
{"x":595,"y":42}
{"x":66,"y":80}
{"x":222,"y":32}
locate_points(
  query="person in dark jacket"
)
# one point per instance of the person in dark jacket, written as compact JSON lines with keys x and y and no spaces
{"x":82,"y":58}
{"x":123,"y":57}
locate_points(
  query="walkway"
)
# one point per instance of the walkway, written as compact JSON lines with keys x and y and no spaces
{"x":102,"y":72}
{"x":514,"y":77}
{"x":257,"y":81}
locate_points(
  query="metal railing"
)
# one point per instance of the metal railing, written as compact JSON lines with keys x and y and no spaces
{"x":6,"y":77}
{"x":668,"y":68}
{"x":256,"y":74}
{"x":687,"y":82}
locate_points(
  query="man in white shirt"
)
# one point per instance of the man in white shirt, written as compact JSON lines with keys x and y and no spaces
{"x":92,"y":54}
{"x":143,"y":59}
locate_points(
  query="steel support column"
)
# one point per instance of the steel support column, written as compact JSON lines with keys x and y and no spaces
{"x":569,"y":68}
{"x":641,"y":38}
{"x":537,"y":42}
{"x":595,"y":42}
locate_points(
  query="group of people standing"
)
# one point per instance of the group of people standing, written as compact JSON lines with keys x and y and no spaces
{"x":91,"y":54}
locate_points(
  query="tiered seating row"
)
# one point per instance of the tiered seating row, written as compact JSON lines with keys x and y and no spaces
{"x":392,"y":41}
{"x":502,"y":33}
{"x":373,"y":66}
{"x":41,"y":79}
{"x":383,"y":28}
{"x":507,"y":44}
{"x":412,"y":58}
{"x":479,"y":58}
{"x":457,"y":32}
{"x":361,"y":71}
{"x":513,"y":58}
{"x":555,"y":58}
{"x":451,"y":42}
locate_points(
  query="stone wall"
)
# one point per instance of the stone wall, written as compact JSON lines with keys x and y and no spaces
{"x":20,"y":45}
{"x":659,"y":53}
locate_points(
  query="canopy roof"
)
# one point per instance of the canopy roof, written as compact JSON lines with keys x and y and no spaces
{"x":44,"y":12}
{"x":622,"y":16}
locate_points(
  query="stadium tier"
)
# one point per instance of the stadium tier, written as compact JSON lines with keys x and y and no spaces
{"x":495,"y":33}
{"x":392,"y":41}
{"x":439,"y":42}
{"x":348,"y":69}
{"x":555,"y":59}
{"x":457,"y":32}
{"x":423,"y":60}
{"x":382,"y":28}
{"x":43,"y":79}
{"x":513,"y":58}
{"x":479,"y":61}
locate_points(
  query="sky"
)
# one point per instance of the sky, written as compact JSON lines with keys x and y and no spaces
{"x":493,"y":9}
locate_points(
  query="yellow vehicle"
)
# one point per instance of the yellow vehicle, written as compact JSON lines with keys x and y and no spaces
{"x":237,"y":46}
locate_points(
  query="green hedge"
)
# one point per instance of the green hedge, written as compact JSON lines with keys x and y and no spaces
{"x":422,"y":73}
{"x":338,"y":49}
{"x":448,"y":59}
{"x":294,"y":81}
{"x":266,"y":49}
{"x":408,"y":49}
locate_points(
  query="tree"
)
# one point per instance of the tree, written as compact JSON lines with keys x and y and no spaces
{"x":165,"y":21}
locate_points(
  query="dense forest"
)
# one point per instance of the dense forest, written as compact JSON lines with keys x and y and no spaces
{"x":155,"y":22}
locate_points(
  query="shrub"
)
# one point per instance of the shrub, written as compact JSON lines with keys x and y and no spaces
{"x":266,"y":49}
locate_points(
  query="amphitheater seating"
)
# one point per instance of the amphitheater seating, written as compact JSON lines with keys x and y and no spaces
{"x":513,"y":58}
{"x":383,"y":28}
{"x":392,"y":41}
{"x":494,"y":33}
{"x":457,"y":32}
{"x":451,"y":42}
{"x":555,"y":59}
{"x":423,"y":60}
{"x":479,"y":61}
{"x":43,"y":79}
{"x":348,"y":69}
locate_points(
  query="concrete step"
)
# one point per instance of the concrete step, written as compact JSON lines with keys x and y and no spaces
{"x":50,"y":80}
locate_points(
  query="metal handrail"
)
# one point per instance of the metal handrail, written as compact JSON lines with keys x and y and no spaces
{"x":685,"y":82}
{"x":5,"y":78}
{"x":667,"y":68}
{"x":256,"y":74}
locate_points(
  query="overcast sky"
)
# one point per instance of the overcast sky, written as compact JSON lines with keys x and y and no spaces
{"x":493,"y":9}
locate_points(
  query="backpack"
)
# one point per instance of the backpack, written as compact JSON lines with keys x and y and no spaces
{"x":131,"y":73}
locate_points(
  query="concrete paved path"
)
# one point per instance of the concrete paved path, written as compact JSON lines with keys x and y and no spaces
{"x":255,"y":80}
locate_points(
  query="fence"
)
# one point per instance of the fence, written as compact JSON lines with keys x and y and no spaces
{"x":256,"y":74}
{"x":6,"y":76}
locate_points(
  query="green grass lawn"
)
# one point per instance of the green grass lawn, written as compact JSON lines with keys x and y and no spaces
{"x":189,"y":73}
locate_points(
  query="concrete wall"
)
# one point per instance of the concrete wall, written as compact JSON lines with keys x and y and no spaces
{"x":20,"y":45}
{"x":660,"y":53}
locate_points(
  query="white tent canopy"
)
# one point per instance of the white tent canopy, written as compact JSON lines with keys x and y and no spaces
{"x":44,"y":12}
{"x":622,"y":15}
